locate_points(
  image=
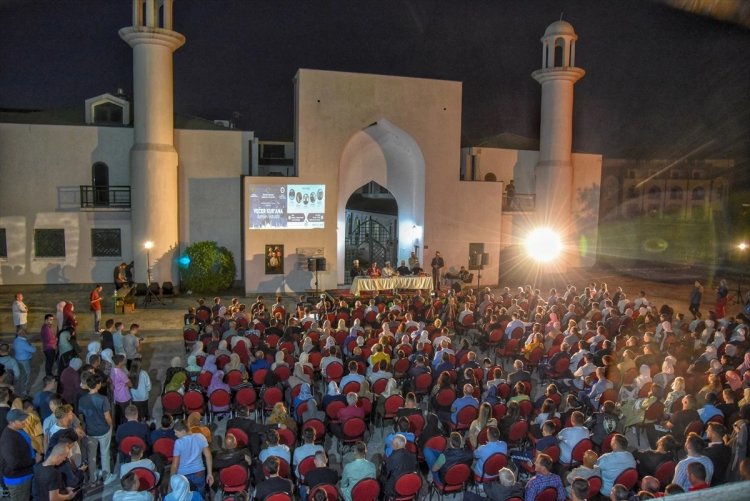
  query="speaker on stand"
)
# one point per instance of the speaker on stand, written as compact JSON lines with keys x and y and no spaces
{"x":483,"y":260}
{"x":316,"y":264}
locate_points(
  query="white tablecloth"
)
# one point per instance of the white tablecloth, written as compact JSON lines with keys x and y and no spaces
{"x":384,"y":284}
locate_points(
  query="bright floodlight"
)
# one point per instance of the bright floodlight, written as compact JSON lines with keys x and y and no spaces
{"x":742,"y":246}
{"x":148,"y":245}
{"x":543,"y":245}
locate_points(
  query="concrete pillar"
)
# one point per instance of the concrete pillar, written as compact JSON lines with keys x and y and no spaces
{"x":153,"y":158}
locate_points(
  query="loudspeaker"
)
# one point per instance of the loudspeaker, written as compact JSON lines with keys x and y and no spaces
{"x":321,"y":263}
{"x":310,"y":264}
{"x":476,"y":260}
{"x":485,"y":259}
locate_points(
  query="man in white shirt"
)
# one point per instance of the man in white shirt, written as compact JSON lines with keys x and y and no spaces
{"x":612,"y":464}
{"x":20,"y":313}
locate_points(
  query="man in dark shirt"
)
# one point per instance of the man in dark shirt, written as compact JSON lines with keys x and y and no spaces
{"x":273,"y":483}
{"x":132,"y":428}
{"x":729,"y":407}
{"x":254,"y":431}
{"x":453,"y":455}
{"x":320,"y":475}
{"x":719,"y":453}
{"x":48,"y":479}
{"x":97,"y":417}
{"x":518,"y":374}
{"x":681,"y":419}
{"x":398,"y":463}
{"x":16,"y":456}
{"x":106,"y":336}
{"x":165,"y":431}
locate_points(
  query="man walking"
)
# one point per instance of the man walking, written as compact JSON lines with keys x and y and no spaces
{"x":49,"y":343}
{"x":20,"y":312}
{"x":24,"y":351}
{"x":95,"y":300}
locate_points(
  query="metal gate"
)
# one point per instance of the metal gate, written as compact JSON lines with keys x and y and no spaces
{"x":369,"y":240}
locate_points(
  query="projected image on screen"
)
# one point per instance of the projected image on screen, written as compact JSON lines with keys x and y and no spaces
{"x":292,"y":206}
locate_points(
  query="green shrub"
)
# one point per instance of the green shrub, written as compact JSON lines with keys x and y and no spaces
{"x":207,"y":268}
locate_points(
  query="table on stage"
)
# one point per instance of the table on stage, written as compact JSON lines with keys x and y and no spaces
{"x":364,"y":284}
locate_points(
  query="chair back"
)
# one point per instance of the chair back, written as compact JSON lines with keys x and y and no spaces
{"x":240,"y":436}
{"x":353,"y":386}
{"x":193,"y":401}
{"x":548,"y":494}
{"x":445,"y":397}
{"x":333,"y":408}
{"x":525,"y":407}
{"x":146,"y":478}
{"x":204,"y":379}
{"x":220,"y":398}
{"x":171,"y":402}
{"x":628,"y":478}
{"x":272,"y":396}
{"x":334,"y":371}
{"x":279,"y":496}
{"x":408,"y":486}
{"x":393,"y":404}
{"x":246,"y":397}
{"x":165,"y":447}
{"x":233,"y":378}
{"x":287,"y":437}
{"x":378,"y":387}
{"x":129,"y":442}
{"x":306,"y":465}
{"x":282,"y":372}
{"x":595,"y":485}
{"x":665,"y":472}
{"x":366,"y":489}
{"x":318,"y":426}
{"x":456,"y":478}
{"x":438,"y":443}
{"x":259,"y":377}
{"x":416,"y":424}
{"x":354,"y":429}
{"x":694,"y":427}
{"x":234,"y":478}
{"x":492,"y":465}
{"x":466,"y":416}
{"x":518,"y":431}
{"x":580,"y":449}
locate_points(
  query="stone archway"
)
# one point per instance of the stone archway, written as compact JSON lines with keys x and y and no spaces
{"x":389,"y":156}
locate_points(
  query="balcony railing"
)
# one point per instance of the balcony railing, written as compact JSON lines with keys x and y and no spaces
{"x":105,"y":197}
{"x":520,"y":202}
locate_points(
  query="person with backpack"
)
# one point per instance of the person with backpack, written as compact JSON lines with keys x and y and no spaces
{"x":603,"y":423}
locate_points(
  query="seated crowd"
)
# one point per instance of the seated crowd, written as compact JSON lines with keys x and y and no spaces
{"x":500,"y":397}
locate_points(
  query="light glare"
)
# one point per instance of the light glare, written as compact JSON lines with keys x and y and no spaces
{"x":148,"y":245}
{"x":543,"y":245}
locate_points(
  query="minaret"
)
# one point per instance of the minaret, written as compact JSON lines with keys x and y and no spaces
{"x":153,"y":158}
{"x":554,"y":172}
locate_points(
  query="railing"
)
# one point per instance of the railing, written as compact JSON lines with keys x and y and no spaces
{"x":105,"y":197}
{"x":520,"y":202}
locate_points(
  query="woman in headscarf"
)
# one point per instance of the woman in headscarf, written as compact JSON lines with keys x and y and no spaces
{"x":298,"y":377}
{"x":70,"y":380}
{"x":106,"y":361}
{"x":304,"y":395}
{"x":307,"y":346}
{"x":745,"y":365}
{"x":176,"y":383}
{"x":333,"y":393}
{"x":180,"y":490}
{"x":665,"y":377}
{"x":279,"y":415}
{"x":235,"y":364}
{"x":210,"y":364}
{"x":279,"y":360}
{"x":94,"y":348}
{"x":59,"y":316}
{"x":194,"y":425}
{"x":69,"y":316}
{"x":223,"y":349}
{"x":552,"y":320}
{"x":304,"y":360}
{"x":175,"y":366}
{"x":341,"y":326}
{"x":391,"y":388}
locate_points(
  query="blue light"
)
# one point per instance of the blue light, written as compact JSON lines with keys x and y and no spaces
{"x":184,"y":261}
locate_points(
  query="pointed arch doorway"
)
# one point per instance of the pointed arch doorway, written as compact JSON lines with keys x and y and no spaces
{"x":389,"y":157}
{"x":371,"y":227}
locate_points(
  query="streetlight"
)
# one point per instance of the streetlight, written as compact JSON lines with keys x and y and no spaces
{"x":148,"y":245}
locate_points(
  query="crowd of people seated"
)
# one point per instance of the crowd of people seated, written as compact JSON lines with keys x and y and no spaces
{"x":494,"y":396}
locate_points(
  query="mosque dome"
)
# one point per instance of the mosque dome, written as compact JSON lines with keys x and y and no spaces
{"x":560,"y":28}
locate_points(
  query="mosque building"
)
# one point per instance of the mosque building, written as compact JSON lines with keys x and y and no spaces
{"x":378,"y":172}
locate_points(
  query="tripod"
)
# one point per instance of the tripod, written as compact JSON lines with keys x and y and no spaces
{"x":150,"y":294}
{"x":739,"y":298}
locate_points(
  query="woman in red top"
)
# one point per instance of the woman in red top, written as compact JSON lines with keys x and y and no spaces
{"x":373,"y":271}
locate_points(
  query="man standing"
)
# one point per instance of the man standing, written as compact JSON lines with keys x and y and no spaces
{"x":9,"y":362}
{"x":49,"y":343}
{"x":97,"y":414}
{"x":95,"y":300}
{"x":437,"y":265}
{"x":187,"y":460}
{"x":48,"y":478}
{"x":20,"y":312}
{"x":131,"y":343}
{"x":24,"y":351}
{"x":17,"y":457}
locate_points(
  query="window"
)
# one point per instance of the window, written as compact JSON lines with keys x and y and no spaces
{"x":106,"y":242}
{"x":49,"y":243}
{"x":108,"y":113}
{"x":3,"y":244}
{"x":699,"y":193}
{"x":675,"y":193}
{"x":100,"y":183}
{"x":654,"y":193}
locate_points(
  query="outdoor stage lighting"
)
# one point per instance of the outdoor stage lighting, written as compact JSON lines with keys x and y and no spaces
{"x":543,"y":245}
{"x":148,"y":245}
{"x":742,"y":246}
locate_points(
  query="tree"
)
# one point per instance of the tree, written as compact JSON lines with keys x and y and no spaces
{"x":207,"y":268}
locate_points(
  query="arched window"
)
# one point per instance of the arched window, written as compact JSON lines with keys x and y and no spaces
{"x":675,"y":193}
{"x":100,"y":183}
{"x":490,"y":176}
{"x":654,"y":193}
{"x":108,"y":113}
{"x":558,"y":60}
{"x":699,"y":193}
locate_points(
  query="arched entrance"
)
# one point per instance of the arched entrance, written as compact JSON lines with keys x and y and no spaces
{"x":371,"y":227}
{"x":387,"y":156}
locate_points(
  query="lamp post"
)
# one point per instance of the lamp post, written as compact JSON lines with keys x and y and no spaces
{"x":148,"y":245}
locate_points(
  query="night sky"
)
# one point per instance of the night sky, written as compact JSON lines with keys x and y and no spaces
{"x":659,"y":83}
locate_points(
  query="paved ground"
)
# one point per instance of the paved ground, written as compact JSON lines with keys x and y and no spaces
{"x":161,"y":325}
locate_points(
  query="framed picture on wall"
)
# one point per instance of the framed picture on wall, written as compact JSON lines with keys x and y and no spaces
{"x":274,"y":259}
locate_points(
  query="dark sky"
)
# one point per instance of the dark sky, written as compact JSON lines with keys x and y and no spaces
{"x":659,"y":82}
